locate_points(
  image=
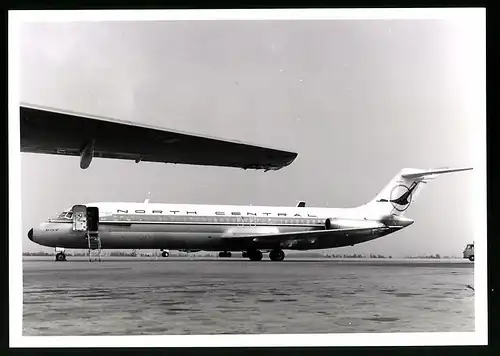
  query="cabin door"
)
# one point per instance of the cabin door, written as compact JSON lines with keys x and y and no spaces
{"x":79,"y":218}
{"x":93,"y":219}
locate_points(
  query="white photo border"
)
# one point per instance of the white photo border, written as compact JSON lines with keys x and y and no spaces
{"x":478,"y":337}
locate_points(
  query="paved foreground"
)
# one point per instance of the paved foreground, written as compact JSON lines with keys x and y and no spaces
{"x":133,"y":296}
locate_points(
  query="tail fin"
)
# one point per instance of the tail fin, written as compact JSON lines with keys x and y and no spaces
{"x":401,"y":192}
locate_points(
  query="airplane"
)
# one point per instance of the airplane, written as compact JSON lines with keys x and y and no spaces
{"x":225,"y":228}
{"x":51,"y":131}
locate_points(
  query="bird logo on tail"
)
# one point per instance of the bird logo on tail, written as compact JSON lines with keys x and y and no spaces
{"x":401,"y":196}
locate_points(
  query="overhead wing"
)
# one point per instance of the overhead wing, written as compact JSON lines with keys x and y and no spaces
{"x":51,"y":131}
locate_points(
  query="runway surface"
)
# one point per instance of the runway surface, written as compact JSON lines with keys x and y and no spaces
{"x":134,"y":296}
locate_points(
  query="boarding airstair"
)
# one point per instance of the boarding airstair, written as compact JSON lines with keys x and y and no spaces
{"x":94,"y":242}
{"x":86,"y":219}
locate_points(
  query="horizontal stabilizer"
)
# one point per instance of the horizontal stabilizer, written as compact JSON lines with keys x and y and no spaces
{"x":433,"y":172}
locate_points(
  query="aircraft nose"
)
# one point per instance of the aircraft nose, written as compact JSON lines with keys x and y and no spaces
{"x":30,"y":234}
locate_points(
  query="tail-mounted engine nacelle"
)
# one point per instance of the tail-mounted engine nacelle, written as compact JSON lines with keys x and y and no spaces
{"x":335,"y":224}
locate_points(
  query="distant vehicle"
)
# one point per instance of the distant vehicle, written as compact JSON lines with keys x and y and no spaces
{"x":229,"y":228}
{"x":469,"y":252}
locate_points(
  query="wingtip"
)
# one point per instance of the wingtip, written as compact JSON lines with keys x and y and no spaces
{"x":461,"y":169}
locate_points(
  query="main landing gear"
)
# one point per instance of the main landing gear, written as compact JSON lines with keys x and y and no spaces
{"x":277,"y":255}
{"x":225,"y":254}
{"x":255,"y":255}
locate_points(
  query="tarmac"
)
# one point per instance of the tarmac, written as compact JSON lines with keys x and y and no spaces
{"x":158,"y":296}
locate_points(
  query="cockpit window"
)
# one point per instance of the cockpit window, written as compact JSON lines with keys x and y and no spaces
{"x":65,"y":215}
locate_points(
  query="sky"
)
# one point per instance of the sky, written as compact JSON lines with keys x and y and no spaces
{"x":357,"y":99}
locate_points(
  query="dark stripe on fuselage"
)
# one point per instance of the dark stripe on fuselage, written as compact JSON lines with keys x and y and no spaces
{"x":127,"y":219}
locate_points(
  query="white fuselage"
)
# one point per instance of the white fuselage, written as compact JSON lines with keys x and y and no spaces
{"x":237,"y":228}
{"x":214,"y":227}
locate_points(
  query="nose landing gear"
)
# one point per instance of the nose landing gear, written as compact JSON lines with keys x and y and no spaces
{"x":60,"y":256}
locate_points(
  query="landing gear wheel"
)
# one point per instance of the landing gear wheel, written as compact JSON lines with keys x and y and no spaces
{"x":60,"y":257}
{"x":471,"y":258}
{"x":277,"y":255}
{"x":255,"y":255}
{"x":224,"y":254}
{"x":164,"y":254}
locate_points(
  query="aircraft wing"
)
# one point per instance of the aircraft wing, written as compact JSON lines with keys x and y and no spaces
{"x":51,"y":131}
{"x":292,"y":238}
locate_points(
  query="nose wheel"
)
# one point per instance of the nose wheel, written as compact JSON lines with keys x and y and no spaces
{"x":60,"y":257}
{"x":277,"y":255}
